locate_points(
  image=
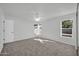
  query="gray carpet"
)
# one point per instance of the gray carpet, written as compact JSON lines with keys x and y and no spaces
{"x":31,"y":47}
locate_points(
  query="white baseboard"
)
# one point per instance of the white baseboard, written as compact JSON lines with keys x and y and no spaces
{"x":15,"y":40}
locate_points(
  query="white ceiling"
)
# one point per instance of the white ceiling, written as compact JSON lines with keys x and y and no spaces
{"x":46,"y":10}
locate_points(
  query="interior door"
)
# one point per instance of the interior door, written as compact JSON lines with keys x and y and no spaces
{"x":9,"y":31}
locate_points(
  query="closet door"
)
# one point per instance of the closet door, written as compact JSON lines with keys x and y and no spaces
{"x":9,"y":31}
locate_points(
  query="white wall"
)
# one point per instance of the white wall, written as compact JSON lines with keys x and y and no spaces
{"x":23,"y":29}
{"x":51,"y":29}
{"x":1,"y":29}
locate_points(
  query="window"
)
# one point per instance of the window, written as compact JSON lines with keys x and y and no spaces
{"x":66,"y":29}
{"x":37,"y":29}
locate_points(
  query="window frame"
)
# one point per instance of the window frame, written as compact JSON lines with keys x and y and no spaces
{"x":65,"y":35}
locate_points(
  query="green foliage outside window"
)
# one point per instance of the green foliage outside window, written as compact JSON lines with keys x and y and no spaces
{"x":67,"y":24}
